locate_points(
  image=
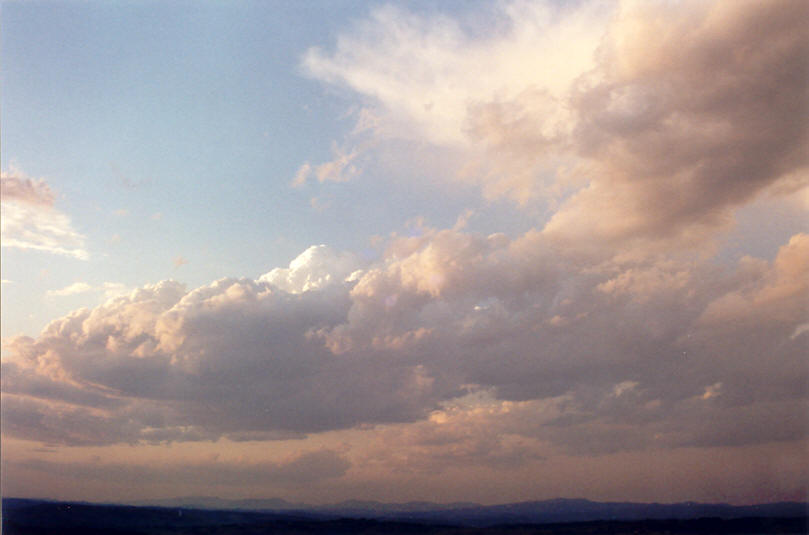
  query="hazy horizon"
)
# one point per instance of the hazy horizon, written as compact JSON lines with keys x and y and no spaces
{"x":199,"y":501}
{"x":405,"y":251}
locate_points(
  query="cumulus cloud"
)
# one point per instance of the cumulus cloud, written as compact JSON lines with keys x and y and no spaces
{"x":329,"y":344}
{"x":426,"y":78}
{"x":30,"y":221}
{"x":164,"y":354}
{"x":423,"y":73}
{"x":315,"y":268}
{"x":497,"y":350}
{"x":630,"y":121}
{"x":684,"y":125}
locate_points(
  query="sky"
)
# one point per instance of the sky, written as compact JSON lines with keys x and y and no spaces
{"x":445,"y":251}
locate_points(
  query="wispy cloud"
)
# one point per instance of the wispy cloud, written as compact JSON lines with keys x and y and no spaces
{"x":73,"y":289}
{"x":302,"y":175}
{"x":110,"y":289}
{"x":17,"y":187}
{"x":30,"y":220}
{"x":340,"y":169}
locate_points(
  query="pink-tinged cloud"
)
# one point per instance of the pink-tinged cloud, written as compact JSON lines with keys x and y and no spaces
{"x":15,"y":186}
{"x":632,"y":122}
{"x":305,"y":350}
{"x":30,"y":220}
{"x":608,"y":330}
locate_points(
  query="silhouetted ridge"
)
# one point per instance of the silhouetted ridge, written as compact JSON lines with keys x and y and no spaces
{"x":38,"y":517}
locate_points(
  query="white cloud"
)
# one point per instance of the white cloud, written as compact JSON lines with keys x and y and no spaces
{"x":630,"y":121}
{"x":110,"y":289}
{"x":423,"y":74}
{"x":29,"y":220}
{"x":73,"y":289}
{"x":315,"y":268}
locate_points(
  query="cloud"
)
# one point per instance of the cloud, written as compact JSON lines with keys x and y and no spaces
{"x":340,"y":169}
{"x":572,"y":109}
{"x":30,"y":221}
{"x":165,"y":353}
{"x":17,"y":187}
{"x":597,"y":333}
{"x":681,"y":130}
{"x":315,"y":268}
{"x":329,"y":343}
{"x":301,"y":175}
{"x":110,"y":289}
{"x":421,"y":74}
{"x":73,"y":289}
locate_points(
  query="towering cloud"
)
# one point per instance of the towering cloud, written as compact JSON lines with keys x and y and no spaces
{"x":439,"y":316}
{"x":639,"y":128}
{"x":687,"y":116}
{"x":644,"y":120}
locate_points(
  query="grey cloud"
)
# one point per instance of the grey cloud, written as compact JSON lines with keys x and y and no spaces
{"x":683,"y":123}
{"x":236,"y":357}
{"x":18,"y":380}
{"x":440,"y":314}
{"x":630,"y":123}
{"x":29,"y":418}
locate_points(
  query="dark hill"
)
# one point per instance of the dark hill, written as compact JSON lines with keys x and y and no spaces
{"x":38,"y":517}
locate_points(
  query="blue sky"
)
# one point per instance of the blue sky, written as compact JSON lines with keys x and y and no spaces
{"x":478,"y":244}
{"x":173,"y":132}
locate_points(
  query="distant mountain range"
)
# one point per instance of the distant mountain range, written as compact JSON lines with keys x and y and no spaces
{"x":466,"y":513}
{"x":360,"y":507}
{"x":214,"y":516}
